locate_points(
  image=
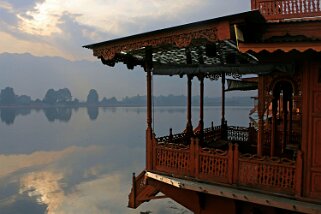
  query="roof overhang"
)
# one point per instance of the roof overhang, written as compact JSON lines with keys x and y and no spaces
{"x":212,"y":70}
{"x":204,"y":42}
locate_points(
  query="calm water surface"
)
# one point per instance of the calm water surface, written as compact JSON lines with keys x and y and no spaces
{"x":81,"y":161}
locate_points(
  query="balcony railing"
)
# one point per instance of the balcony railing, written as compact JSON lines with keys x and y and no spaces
{"x":287,"y":9}
{"x":228,"y":166}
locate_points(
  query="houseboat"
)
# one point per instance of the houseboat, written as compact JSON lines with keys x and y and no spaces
{"x":272,"y":167}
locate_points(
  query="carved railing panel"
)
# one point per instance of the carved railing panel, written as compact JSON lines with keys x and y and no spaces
{"x":172,"y":158}
{"x":285,"y":9}
{"x":213,"y":165}
{"x":228,"y":166}
{"x":179,"y":138}
{"x":239,"y":134}
{"x":273,"y":174}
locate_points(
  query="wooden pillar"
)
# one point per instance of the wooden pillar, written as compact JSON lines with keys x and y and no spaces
{"x":253,"y":5}
{"x":291,"y":120}
{"x":298,"y":174}
{"x":201,"y":121}
{"x":274,"y":126}
{"x":149,"y":131}
{"x":285,"y":122}
{"x":261,"y":106}
{"x":223,"y":100}
{"x":149,"y":98}
{"x":223,"y":121}
{"x":189,"y":126}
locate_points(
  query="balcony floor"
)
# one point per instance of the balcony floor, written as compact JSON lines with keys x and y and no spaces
{"x":237,"y":194}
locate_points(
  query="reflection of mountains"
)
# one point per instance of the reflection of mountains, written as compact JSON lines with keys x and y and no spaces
{"x":63,"y":114}
{"x":60,"y":114}
{"x":142,"y":110}
{"x":8,"y":115}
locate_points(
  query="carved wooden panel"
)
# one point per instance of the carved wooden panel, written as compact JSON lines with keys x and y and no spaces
{"x":267,"y":173}
{"x":172,"y":159}
{"x":317,"y":103}
{"x":213,"y":163}
{"x":316,"y":143}
{"x":316,"y":182}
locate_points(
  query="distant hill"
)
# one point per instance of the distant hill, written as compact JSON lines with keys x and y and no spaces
{"x":33,"y":76}
{"x":180,"y":100}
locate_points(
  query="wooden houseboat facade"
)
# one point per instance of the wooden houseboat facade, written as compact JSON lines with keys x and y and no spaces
{"x":274,"y":167}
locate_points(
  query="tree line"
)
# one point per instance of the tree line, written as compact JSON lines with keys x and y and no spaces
{"x":63,"y":97}
{"x":60,"y":97}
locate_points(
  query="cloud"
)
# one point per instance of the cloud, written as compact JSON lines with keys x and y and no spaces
{"x":62,"y":27}
{"x":6,"y":6}
{"x":13,"y":163}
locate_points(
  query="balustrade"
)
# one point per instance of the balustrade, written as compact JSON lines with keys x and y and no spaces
{"x":286,"y":9}
{"x":274,"y":174}
{"x":228,"y":166}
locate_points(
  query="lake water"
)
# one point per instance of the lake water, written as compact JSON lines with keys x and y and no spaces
{"x":81,"y":160}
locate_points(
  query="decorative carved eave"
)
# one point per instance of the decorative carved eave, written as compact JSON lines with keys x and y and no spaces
{"x":171,"y":43}
{"x":307,"y":29}
{"x":280,"y":46}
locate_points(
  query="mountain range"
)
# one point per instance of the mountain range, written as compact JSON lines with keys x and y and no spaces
{"x":33,"y":75}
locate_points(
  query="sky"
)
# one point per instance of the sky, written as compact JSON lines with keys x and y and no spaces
{"x":59,"y":28}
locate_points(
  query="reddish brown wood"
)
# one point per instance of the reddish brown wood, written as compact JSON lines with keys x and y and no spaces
{"x":193,"y":170}
{"x":196,"y":159}
{"x":236,"y":164}
{"x":141,"y":191}
{"x":223,"y":100}
{"x":261,"y":105}
{"x":286,"y":9}
{"x":189,"y":127}
{"x":149,"y":131}
{"x":298,"y":175}
{"x":230,"y":156}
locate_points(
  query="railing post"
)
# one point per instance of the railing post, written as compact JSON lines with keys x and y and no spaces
{"x":298,"y":174}
{"x":192,"y":157}
{"x":149,"y":148}
{"x":133,"y":194}
{"x":196,"y":156}
{"x":230,"y":163}
{"x":170,"y":135}
{"x":154,"y":147}
{"x":236,"y":164}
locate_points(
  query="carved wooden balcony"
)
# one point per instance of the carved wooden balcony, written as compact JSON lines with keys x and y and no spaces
{"x":287,"y":9}
{"x":227,"y":165}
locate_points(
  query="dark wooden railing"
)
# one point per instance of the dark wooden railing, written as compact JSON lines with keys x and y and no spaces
{"x":286,"y":9}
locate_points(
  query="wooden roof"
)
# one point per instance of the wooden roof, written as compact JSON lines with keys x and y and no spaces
{"x":204,"y":42}
{"x":211,"y":43}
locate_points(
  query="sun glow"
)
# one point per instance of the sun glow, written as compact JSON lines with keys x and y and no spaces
{"x":42,"y":21}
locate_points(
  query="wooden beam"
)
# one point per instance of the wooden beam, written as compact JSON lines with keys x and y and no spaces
{"x":282,"y":46}
{"x":237,"y":194}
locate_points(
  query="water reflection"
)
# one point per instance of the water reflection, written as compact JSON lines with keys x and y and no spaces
{"x":83,"y":165}
{"x":93,"y":112}
{"x":8,"y":115}
{"x":62,"y":114}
